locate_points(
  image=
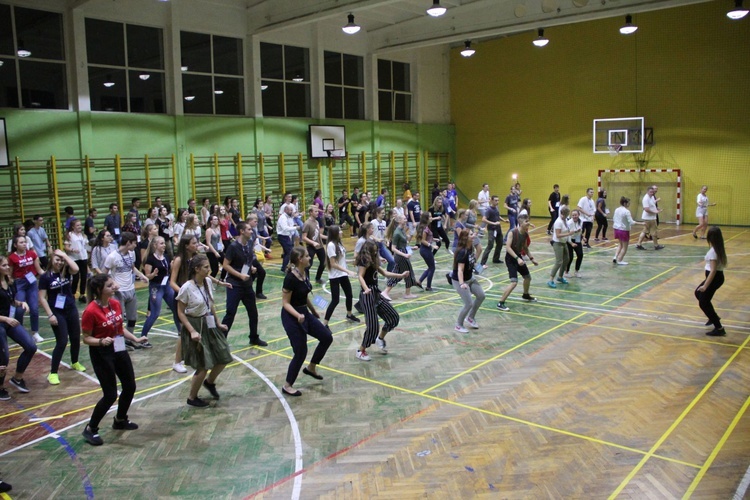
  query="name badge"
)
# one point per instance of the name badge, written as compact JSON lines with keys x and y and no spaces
{"x":320,"y":302}
{"x":60,"y":301}
{"x":164,"y":280}
{"x":138,"y":239}
{"x":120,"y":343}
{"x":557,"y":204}
{"x":478,"y":268}
{"x":229,"y":235}
{"x":245,"y":269}
{"x":117,"y":231}
{"x":211,"y":321}
{"x":30,"y":277}
{"x":494,"y":234}
{"x":12,"y":312}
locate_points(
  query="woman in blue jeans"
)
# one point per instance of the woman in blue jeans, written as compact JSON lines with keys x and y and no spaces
{"x":426,"y":248}
{"x":10,"y":310}
{"x":25,"y":269}
{"x":156,"y":268}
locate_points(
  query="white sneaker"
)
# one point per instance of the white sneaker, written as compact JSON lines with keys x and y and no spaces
{"x":179,"y":367}
{"x":362,"y":355}
{"x":622,"y":263}
{"x":38,"y":338}
{"x":461,"y":329}
{"x":472,"y":323}
{"x":578,"y":275}
{"x":386,"y":296}
{"x":381,"y":343}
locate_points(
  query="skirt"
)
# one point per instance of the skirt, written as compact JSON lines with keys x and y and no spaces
{"x":212,"y":349}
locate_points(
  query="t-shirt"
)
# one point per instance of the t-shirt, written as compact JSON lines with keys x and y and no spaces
{"x":359,"y":244}
{"x":554,"y":200}
{"x":562,"y":225}
{"x":341,"y":260}
{"x":512,"y":201}
{"x":121,"y":268}
{"x":311,"y":230}
{"x":622,"y":220}
{"x":436,"y":224}
{"x":89,"y":227}
{"x":197,"y":299}
{"x":102,"y":321}
{"x":300,"y":289}
{"x":711,"y":255}
{"x":483,"y":198}
{"x":57,"y":285}
{"x":23,"y":264}
{"x":587,"y":205}
{"x":648,"y":202}
{"x":371,"y":277}
{"x":7,"y":299}
{"x":38,"y":235}
{"x":575,"y":238}
{"x":78,"y":246}
{"x":399,"y":239}
{"x":344,"y":205}
{"x":162,"y":266}
{"x":379,"y":226}
{"x":467,"y":258}
{"x":239,"y":255}
{"x":601,"y":204}
{"x":415,"y":210}
{"x":112,"y":223}
{"x":362,"y":211}
{"x":99,"y":256}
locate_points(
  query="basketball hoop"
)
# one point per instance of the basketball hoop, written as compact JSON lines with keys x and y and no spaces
{"x":614,"y":150}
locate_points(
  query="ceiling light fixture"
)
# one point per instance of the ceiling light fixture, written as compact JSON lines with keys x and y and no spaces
{"x":351,"y":27}
{"x":1,"y":63}
{"x":263,"y":87}
{"x":629,"y":27}
{"x":189,"y":97}
{"x":298,"y":78}
{"x":738,"y":12}
{"x":108,"y":82}
{"x":436,"y":10}
{"x":468,"y":51}
{"x":218,"y":92}
{"x":22,"y":52}
{"x":144,"y":76}
{"x":541,"y":40}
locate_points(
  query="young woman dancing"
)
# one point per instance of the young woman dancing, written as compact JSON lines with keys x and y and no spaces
{"x":399,"y":247}
{"x":338,"y":275}
{"x":716,"y":262}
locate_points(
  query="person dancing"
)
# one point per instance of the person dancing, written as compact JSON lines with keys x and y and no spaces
{"x":373,"y":304}
{"x":716,"y":262}
{"x":397,"y":237}
{"x":300,"y":319}
{"x":465,"y":283}
{"x":427,"y":247}
{"x":701,"y":213}
{"x":338,"y":275}
{"x":622,"y":221}
{"x":516,"y":246}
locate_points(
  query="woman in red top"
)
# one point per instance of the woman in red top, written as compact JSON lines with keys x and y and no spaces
{"x":25,"y":268}
{"x":101,"y":325}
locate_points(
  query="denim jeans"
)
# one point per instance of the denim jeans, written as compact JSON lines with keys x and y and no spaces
{"x":29,"y":293}
{"x":387,"y":255}
{"x":156,"y":293}
{"x":22,"y":338}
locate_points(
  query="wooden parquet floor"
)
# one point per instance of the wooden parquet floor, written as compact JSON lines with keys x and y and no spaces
{"x":605,"y":388}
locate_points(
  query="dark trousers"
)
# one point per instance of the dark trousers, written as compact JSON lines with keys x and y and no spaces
{"x":578,"y":250}
{"x":552,"y":218}
{"x":259,"y":276}
{"x":241,"y":293}
{"x":704,"y":298}
{"x":110,"y":366}
{"x":80,"y":277}
{"x":68,"y":327}
{"x":440,"y":232}
{"x":297,"y":333}
{"x":494,"y":239}
{"x":286,"y":244}
{"x":402,"y":264}
{"x":601,"y":224}
{"x":321,"y":254}
{"x":348,"y":219}
{"x":429,"y":259}
{"x":587,"y":227}
{"x":215,"y":262}
{"x":337,"y":284}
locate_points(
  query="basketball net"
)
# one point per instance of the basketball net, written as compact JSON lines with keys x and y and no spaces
{"x":614,"y":150}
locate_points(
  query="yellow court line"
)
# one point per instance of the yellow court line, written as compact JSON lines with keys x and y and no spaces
{"x":639,"y":285}
{"x":716,"y":450}
{"x":487,"y":361}
{"x":678,"y":421}
{"x":735,"y":236}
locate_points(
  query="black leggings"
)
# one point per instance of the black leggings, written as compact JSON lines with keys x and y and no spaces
{"x":68,"y":327}
{"x":109,"y":366}
{"x":80,"y":277}
{"x":601,"y":224}
{"x":578,"y":250}
{"x":552,"y":218}
{"x":587,"y":227}
{"x":321,"y":254}
{"x":440,"y":232}
{"x":336,"y":283}
{"x":704,"y":298}
{"x":215,"y":262}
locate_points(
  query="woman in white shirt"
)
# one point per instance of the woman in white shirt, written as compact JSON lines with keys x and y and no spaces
{"x":560,"y":233}
{"x":77,"y":252}
{"x":701,"y":213}
{"x":621,"y":222}
{"x":574,"y":243}
{"x":338,"y":275}
{"x":716,"y":261}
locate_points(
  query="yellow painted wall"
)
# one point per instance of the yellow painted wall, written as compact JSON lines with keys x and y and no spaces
{"x":527,"y":110}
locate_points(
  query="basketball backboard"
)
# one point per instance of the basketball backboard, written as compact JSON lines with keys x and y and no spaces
{"x":626,"y":135}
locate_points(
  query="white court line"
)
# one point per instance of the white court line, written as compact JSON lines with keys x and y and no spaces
{"x":298,"y":465}
{"x":742,"y":488}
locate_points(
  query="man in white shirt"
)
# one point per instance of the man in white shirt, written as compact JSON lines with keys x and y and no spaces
{"x":587,"y":210}
{"x":483,"y":199}
{"x":650,"y":213}
{"x":285,"y":231}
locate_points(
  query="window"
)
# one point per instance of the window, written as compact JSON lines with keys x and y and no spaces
{"x":32,"y":59}
{"x":126,"y":67}
{"x":212,"y":74}
{"x":285,"y":80}
{"x":394,"y":91}
{"x":344,"y":86}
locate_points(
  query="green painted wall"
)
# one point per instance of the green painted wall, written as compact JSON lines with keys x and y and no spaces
{"x":527,"y":110}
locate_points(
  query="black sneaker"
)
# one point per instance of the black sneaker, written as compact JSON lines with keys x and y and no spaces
{"x":4,"y":396}
{"x":502,"y":306}
{"x":124,"y":425}
{"x":528,"y":297}
{"x":449,"y":278}
{"x":259,"y":342}
{"x":352,"y":318}
{"x":92,"y":436}
{"x":640,"y":247}
{"x":82,"y":299}
{"x":717,"y":332}
{"x":134,"y":345}
{"x":5,"y":487}
{"x":261,"y":296}
{"x":658,"y":247}
{"x":198,"y":403}
{"x":19,"y":384}
{"x":146,"y":345}
{"x":211,"y":388}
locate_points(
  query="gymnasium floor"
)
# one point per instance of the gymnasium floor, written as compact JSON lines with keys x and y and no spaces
{"x":606,"y":387}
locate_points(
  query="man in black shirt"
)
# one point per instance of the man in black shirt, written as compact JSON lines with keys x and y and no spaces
{"x":238,"y":262}
{"x":494,"y":231}
{"x":413,"y":213}
{"x":344,"y":216}
{"x":553,"y":203}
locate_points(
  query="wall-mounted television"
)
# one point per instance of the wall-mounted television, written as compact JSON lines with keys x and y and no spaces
{"x":327,"y":141}
{"x":4,"y":155}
